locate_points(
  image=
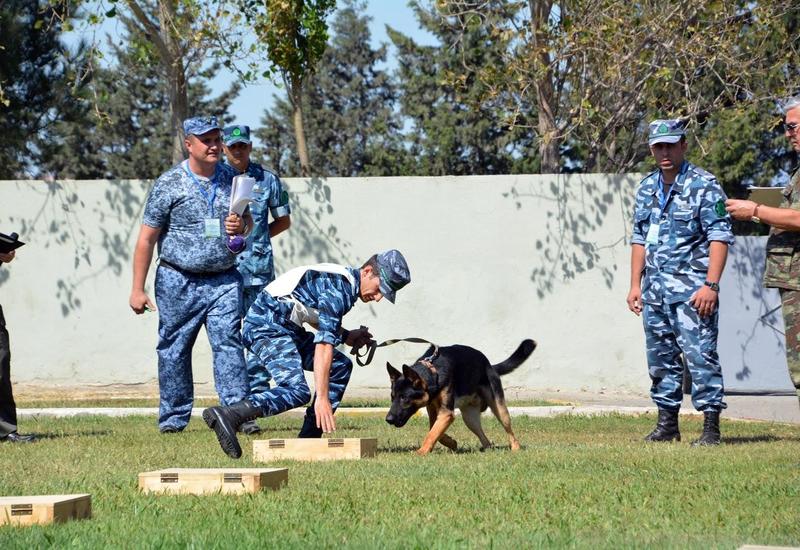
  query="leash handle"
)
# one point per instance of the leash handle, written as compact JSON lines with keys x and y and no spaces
{"x":365,"y":358}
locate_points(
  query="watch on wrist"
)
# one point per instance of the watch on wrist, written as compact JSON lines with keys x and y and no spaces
{"x":755,"y":218}
{"x":712,"y":286}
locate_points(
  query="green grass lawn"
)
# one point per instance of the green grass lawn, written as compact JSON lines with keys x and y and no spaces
{"x":578,"y":482}
{"x":29,"y":403}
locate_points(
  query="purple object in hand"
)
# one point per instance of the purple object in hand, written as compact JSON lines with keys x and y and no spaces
{"x":236,"y":243}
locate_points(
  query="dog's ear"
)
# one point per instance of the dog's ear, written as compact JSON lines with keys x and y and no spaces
{"x":394,"y":374}
{"x":412,"y":376}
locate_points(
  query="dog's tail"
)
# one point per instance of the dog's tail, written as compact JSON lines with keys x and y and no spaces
{"x":517,"y":358}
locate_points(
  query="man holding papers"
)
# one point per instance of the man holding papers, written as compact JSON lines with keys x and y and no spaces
{"x":187,"y":214}
{"x":782,"y":270}
{"x":255,"y":262}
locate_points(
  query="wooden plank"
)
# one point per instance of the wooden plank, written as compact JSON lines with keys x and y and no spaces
{"x":44,"y":509}
{"x":269,"y":450}
{"x":203,"y":481}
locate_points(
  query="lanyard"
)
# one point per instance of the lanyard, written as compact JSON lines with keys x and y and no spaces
{"x":663,"y":198}
{"x":209,"y":200}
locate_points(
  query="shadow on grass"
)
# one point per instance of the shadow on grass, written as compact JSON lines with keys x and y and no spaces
{"x":48,"y":435}
{"x":439,"y":448}
{"x":756,"y":439}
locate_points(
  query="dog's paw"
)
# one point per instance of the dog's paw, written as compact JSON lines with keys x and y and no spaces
{"x":421,"y":452}
{"x":449,"y":442}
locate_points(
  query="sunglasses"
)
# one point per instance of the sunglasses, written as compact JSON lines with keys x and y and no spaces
{"x":790,"y":128}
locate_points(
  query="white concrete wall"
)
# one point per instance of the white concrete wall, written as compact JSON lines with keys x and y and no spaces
{"x":493,"y":260}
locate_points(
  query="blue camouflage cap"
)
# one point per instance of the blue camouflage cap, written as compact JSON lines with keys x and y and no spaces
{"x":236,"y":134}
{"x":200,"y":125}
{"x":666,"y":131}
{"x":393,"y":271}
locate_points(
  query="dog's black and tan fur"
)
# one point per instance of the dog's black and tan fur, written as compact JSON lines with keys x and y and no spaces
{"x":450,"y":377}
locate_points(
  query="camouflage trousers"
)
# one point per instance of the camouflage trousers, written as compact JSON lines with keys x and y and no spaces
{"x":257,"y":373}
{"x":287,"y":356}
{"x":790,"y":304}
{"x":675,"y":329}
{"x":185,"y":303}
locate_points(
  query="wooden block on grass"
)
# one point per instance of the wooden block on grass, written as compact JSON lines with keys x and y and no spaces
{"x":203,"y":481}
{"x":44,"y":509}
{"x":268,"y":450}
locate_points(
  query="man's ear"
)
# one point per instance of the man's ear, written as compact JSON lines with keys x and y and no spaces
{"x":368,"y":271}
{"x":394,"y":374}
{"x":413,"y":376}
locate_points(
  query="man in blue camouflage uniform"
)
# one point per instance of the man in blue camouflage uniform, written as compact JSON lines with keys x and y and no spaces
{"x":196,"y":284}
{"x":320,"y":296}
{"x":681,"y":233}
{"x":255,"y":263}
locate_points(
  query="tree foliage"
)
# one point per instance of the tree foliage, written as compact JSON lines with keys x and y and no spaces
{"x":39,"y":79}
{"x":125,"y":133}
{"x":458,"y":126}
{"x":598,"y":70}
{"x":295,"y":34}
{"x":349,"y":105}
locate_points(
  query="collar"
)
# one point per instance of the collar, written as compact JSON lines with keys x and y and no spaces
{"x":356,"y":272}
{"x":423,"y":369}
{"x":677,"y":184}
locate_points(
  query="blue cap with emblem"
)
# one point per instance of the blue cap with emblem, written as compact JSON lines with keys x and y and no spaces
{"x":200,"y":125}
{"x":666,"y":131}
{"x":236,"y":134}
{"x":393,"y":271}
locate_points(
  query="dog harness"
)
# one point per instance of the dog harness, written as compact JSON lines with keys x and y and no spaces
{"x":424,"y":368}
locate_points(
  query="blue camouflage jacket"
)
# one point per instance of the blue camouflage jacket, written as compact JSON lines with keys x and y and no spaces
{"x":179,"y":204}
{"x":329,"y":293}
{"x":256,"y":262}
{"x":676,"y":258}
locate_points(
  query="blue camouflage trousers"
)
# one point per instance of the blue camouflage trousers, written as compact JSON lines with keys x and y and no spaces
{"x":185,"y":303}
{"x":257,"y":373}
{"x":286,"y":356}
{"x":674,"y":329}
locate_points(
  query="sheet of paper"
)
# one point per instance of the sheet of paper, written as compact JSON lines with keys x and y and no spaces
{"x":241,"y":193}
{"x":768,"y":196}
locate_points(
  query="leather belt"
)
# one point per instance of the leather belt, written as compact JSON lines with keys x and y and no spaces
{"x":165,"y":263}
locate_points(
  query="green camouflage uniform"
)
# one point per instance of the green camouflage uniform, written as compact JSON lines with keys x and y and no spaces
{"x":783,"y":272}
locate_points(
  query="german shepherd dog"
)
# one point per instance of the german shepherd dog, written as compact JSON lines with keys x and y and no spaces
{"x":453,"y":376}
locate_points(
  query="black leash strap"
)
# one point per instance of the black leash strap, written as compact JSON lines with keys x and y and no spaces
{"x":364,"y":358}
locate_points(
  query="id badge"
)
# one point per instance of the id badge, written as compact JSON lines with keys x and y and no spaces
{"x":213,"y":228}
{"x":652,"y":234}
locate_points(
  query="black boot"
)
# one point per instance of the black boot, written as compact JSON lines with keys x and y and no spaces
{"x":249,"y":428}
{"x":309,"y":429}
{"x":225,"y":420}
{"x":710,"y":435}
{"x":666,"y":428}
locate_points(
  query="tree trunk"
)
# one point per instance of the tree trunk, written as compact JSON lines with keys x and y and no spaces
{"x":549,"y":142}
{"x":296,"y":97}
{"x":172,"y":60}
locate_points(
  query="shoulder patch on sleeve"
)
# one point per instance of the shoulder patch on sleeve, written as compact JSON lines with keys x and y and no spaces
{"x":703,"y":173}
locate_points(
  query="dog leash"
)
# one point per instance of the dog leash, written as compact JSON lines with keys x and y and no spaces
{"x":365,"y":358}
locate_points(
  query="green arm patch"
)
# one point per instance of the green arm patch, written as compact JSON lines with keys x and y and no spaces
{"x":719,"y":208}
